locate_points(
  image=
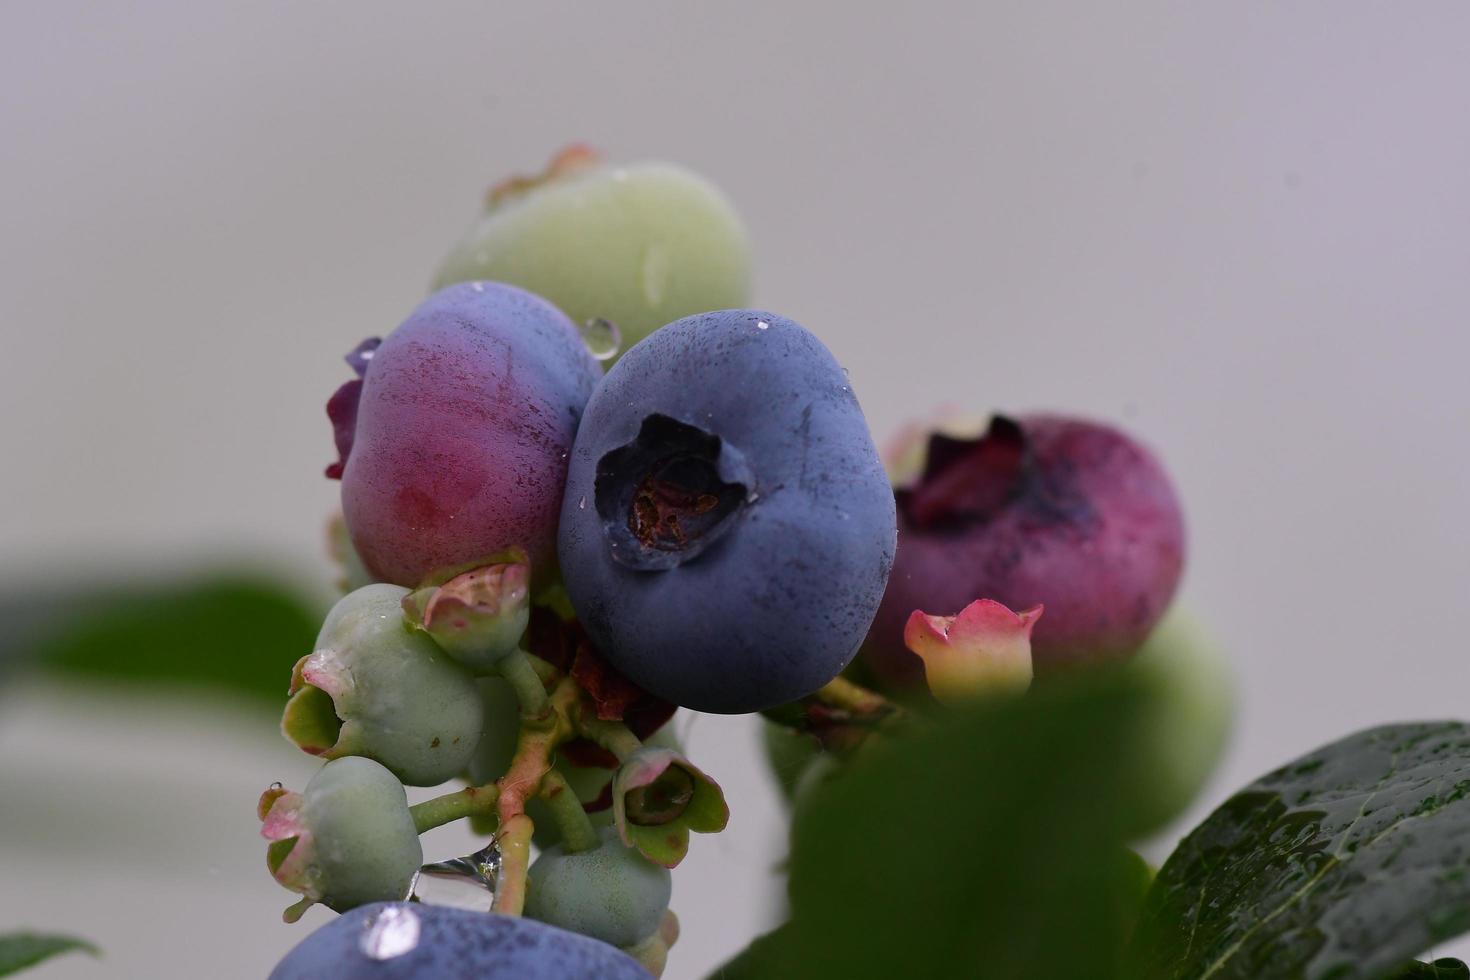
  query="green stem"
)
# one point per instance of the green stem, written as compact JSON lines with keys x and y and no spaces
{"x":468,"y":802}
{"x":577,"y":832}
{"x":611,"y":735}
{"x":515,"y":859}
{"x":521,"y":675}
{"x":843,"y":693}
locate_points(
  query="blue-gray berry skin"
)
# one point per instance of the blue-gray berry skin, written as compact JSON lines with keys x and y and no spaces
{"x":451,"y":944}
{"x":727,"y":529}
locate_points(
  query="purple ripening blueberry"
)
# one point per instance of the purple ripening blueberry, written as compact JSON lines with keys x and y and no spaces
{"x":1040,"y":509}
{"x":456,"y":448}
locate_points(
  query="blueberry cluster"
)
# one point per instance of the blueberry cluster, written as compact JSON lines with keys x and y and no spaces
{"x":548,"y":560}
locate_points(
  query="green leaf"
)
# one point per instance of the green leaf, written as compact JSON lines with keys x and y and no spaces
{"x":989,"y":843}
{"x":1441,"y":969}
{"x":19,"y":950}
{"x":240,"y":633}
{"x":1343,"y":864}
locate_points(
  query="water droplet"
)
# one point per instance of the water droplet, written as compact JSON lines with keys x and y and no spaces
{"x":762,"y":325}
{"x":278,"y":785}
{"x":478,"y":287}
{"x":602,"y":337}
{"x":753,"y":497}
{"x":359,"y":356}
{"x":582,"y":504}
{"x":466,"y":883}
{"x":391,"y":933}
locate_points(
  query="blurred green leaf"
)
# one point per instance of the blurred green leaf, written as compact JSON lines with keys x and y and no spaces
{"x":988,"y":844}
{"x":1343,"y":864}
{"x":1441,"y":969}
{"x":240,"y":633}
{"x":19,"y":950}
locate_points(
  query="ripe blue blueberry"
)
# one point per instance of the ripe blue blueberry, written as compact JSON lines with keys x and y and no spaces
{"x":400,"y":941}
{"x":727,"y":528}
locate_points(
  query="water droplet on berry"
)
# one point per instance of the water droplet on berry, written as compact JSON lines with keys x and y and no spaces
{"x":762,"y":325}
{"x":278,"y":785}
{"x":582,"y":504}
{"x":465,"y":883}
{"x":391,"y":933}
{"x":602,"y":337}
{"x":478,"y":287}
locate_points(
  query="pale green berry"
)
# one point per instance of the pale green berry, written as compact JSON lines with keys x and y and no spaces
{"x":376,"y":688}
{"x":610,"y":892}
{"x":639,"y":245}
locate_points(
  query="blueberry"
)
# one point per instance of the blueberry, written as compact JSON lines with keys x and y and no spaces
{"x":611,"y":892}
{"x":459,"y":446}
{"x":349,"y":839}
{"x":639,"y":245}
{"x":1040,"y":509}
{"x":727,"y":527}
{"x":401,"y":941}
{"x":375,"y":687}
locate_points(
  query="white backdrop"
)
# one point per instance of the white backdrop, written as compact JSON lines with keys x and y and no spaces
{"x":1240,"y":229}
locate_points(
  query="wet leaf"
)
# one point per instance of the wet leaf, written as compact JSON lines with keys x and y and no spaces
{"x":19,"y":950}
{"x":1343,"y":864}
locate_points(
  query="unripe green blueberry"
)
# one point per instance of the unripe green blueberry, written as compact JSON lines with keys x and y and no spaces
{"x":610,"y":892}
{"x":1191,"y":711}
{"x":376,"y":688}
{"x":349,"y":839}
{"x":640,"y":245}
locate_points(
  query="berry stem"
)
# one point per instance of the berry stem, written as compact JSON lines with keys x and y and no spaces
{"x":468,"y":802}
{"x":854,"y":698}
{"x":611,"y":735}
{"x":515,"y":859}
{"x":577,"y":832}
{"x":521,"y":675}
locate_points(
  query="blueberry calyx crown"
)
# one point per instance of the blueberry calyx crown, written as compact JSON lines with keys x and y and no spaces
{"x":669,"y":494}
{"x":967,"y":482}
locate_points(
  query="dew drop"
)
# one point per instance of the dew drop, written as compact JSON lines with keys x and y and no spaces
{"x":602,"y":337}
{"x":391,"y":933}
{"x":278,"y":785}
{"x":582,"y":504}
{"x":466,"y":882}
{"x":478,"y":287}
{"x":762,"y":325}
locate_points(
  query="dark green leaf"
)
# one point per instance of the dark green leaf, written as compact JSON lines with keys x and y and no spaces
{"x":758,"y":961}
{"x":19,"y":950}
{"x":1442,"y":969}
{"x":989,"y":844}
{"x":240,"y":633}
{"x":1343,"y":864}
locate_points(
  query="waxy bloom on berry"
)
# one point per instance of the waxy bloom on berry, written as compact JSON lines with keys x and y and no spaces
{"x":658,"y":798}
{"x":349,"y":839}
{"x":985,"y":648}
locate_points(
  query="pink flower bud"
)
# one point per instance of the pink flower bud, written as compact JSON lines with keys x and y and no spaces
{"x":985,"y":648}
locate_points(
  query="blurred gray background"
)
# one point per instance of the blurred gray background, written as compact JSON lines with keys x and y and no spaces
{"x":1240,"y":229}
